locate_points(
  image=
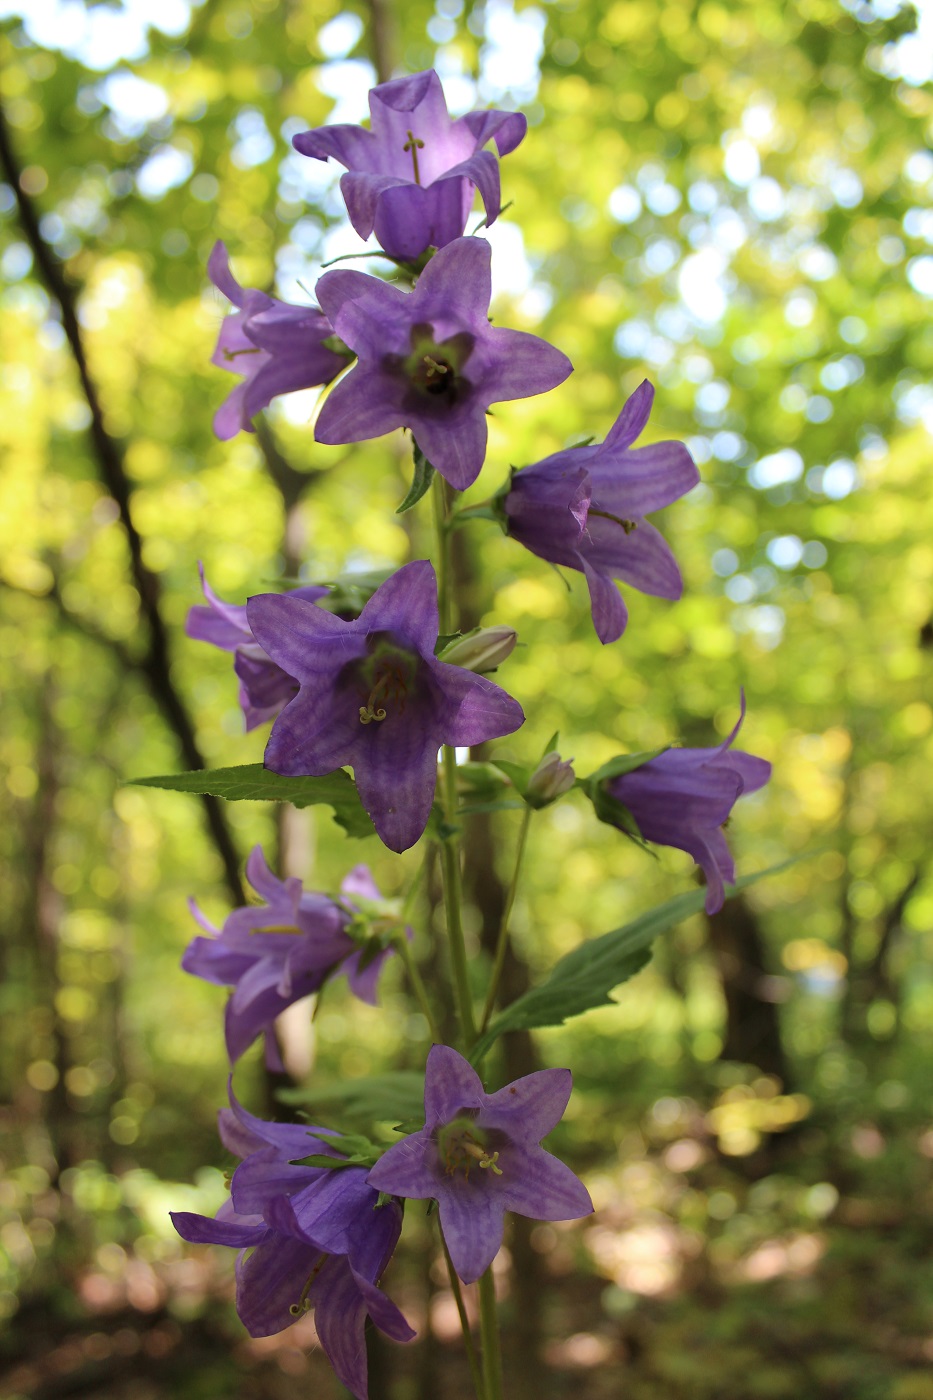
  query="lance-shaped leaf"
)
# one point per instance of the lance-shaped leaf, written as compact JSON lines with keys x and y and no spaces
{"x":250,"y":782}
{"x":584,"y":977}
{"x":375,"y":1098}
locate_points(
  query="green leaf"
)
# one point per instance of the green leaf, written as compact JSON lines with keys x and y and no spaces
{"x":584,"y":977}
{"x":421,"y":482}
{"x":253,"y":783}
{"x":395,"y":1097}
{"x":622,"y":763}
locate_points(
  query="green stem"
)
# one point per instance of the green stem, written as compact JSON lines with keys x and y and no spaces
{"x":489,"y":1332}
{"x":417,"y":986}
{"x":450,"y":859}
{"x":472,"y":1357}
{"x":450,"y":853}
{"x":503,"y":940}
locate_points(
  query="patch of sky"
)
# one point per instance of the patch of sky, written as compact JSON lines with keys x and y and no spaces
{"x":891,"y":250}
{"x":702,"y":197}
{"x":660,"y":256}
{"x":16,"y":262}
{"x":728,"y":446}
{"x":920,"y":275}
{"x":918,"y":223}
{"x":632,"y":339}
{"x":341,"y":34}
{"x":800,"y":307}
{"x":510,"y":58}
{"x":347,"y":81}
{"x":133,"y":102}
{"x":918,"y":167}
{"x":776,"y":468}
{"x":701,"y":285}
{"x":254,"y":145}
{"x":847,"y":188}
{"x":663,"y":198}
{"x":758,"y":119}
{"x":817,"y":262}
{"x":814,"y":554}
{"x":725,"y":562}
{"x":740,"y":589}
{"x":699,"y":449}
{"x":166,"y":169}
{"x":741,"y":161}
{"x":915,"y":404}
{"x":839,"y":374}
{"x":673,"y":322}
{"x":766,"y":199}
{"x":785,"y":552}
{"x":625,"y":204}
{"x":712,"y":397}
{"x":99,"y":36}
{"x":853,"y":329}
{"x":819,"y":409}
{"x":910,"y":58}
{"x":697,"y":369}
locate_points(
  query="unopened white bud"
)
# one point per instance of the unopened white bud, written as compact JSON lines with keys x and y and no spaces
{"x":551,"y":779}
{"x":481,"y":650}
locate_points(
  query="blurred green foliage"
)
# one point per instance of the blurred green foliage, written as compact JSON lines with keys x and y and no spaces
{"x":731,"y":197}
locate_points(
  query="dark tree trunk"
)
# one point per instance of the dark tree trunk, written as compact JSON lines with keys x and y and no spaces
{"x":751,"y":992}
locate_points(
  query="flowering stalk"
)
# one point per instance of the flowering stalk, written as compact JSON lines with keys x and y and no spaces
{"x":503,"y":939}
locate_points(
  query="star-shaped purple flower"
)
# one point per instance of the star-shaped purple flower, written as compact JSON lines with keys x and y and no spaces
{"x":412,"y":177}
{"x":479,"y":1155}
{"x":264,"y":687}
{"x":278,"y":347}
{"x":319,"y":1239}
{"x":275,"y":953}
{"x":373,"y":695}
{"x":584,"y":508}
{"x":683,"y":798}
{"x":429,"y":360}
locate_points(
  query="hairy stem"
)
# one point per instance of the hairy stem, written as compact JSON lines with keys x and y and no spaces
{"x":489,"y":1332}
{"x":457,"y":1291}
{"x":417,"y":986}
{"x":503,"y":940}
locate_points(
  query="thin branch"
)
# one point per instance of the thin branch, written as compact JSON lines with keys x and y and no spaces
{"x":109,"y":457}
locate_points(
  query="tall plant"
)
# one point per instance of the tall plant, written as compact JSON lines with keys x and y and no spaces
{"x":376,"y":678}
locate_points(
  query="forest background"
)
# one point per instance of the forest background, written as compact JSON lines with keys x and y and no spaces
{"x":731,"y":198}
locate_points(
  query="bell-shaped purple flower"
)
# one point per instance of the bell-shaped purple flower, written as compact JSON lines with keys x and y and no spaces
{"x":319,"y":1239}
{"x":264,"y":687}
{"x":276,"y":346}
{"x":373,"y":695}
{"x":277,"y":952}
{"x":429,"y":360}
{"x":584,"y":508}
{"x":412,"y":177}
{"x":683,"y":798}
{"x":479,"y":1155}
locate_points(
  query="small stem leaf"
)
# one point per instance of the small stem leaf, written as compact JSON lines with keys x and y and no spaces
{"x":585,"y":976}
{"x":395,"y":1097}
{"x":421,"y":482}
{"x":251,"y":782}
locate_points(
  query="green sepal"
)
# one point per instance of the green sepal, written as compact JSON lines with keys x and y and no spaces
{"x":421,"y":482}
{"x":623,"y":763}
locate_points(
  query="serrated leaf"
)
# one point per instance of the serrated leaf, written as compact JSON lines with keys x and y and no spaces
{"x":251,"y":782}
{"x":421,"y":481}
{"x":396,"y":1096}
{"x":584,"y":977}
{"x":502,"y":805}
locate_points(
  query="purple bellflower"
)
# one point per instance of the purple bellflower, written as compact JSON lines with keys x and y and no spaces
{"x":319,"y":1239}
{"x":429,"y":360}
{"x":479,"y":1155}
{"x":373,"y":695}
{"x":264,"y":687}
{"x":584,"y":508}
{"x":683,"y":798}
{"x":412,"y":177}
{"x":275,"y":953}
{"x":276,"y":346}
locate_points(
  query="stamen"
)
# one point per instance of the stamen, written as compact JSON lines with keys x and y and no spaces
{"x":436,"y":366}
{"x":232,"y":354}
{"x":414,"y":145}
{"x":304,"y":1303}
{"x":627,"y":525}
{"x":277,"y":928}
{"x":368,"y":714}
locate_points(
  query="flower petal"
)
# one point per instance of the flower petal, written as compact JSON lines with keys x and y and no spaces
{"x":525,"y":364}
{"x":631,"y":421}
{"x":295,"y":633}
{"x":451,"y":1084}
{"x":610,"y":614}
{"x":528,"y":1108}
{"x":506,"y":128}
{"x":545,"y":1188}
{"x":638,"y":480}
{"x":218,"y":270}
{"x":455,"y":445}
{"x":641,"y":558}
{"x":201,"y":1229}
{"x":754,"y":772}
{"x":365,"y":404}
{"x":410,"y":1168}
{"x":270,"y":1280}
{"x":406,"y":605}
{"x":395,"y":767}
{"x":483,"y":710}
{"x":472,"y":1219}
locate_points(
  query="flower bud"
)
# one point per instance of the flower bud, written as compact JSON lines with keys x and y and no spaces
{"x":551,"y":779}
{"x":481,"y":650}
